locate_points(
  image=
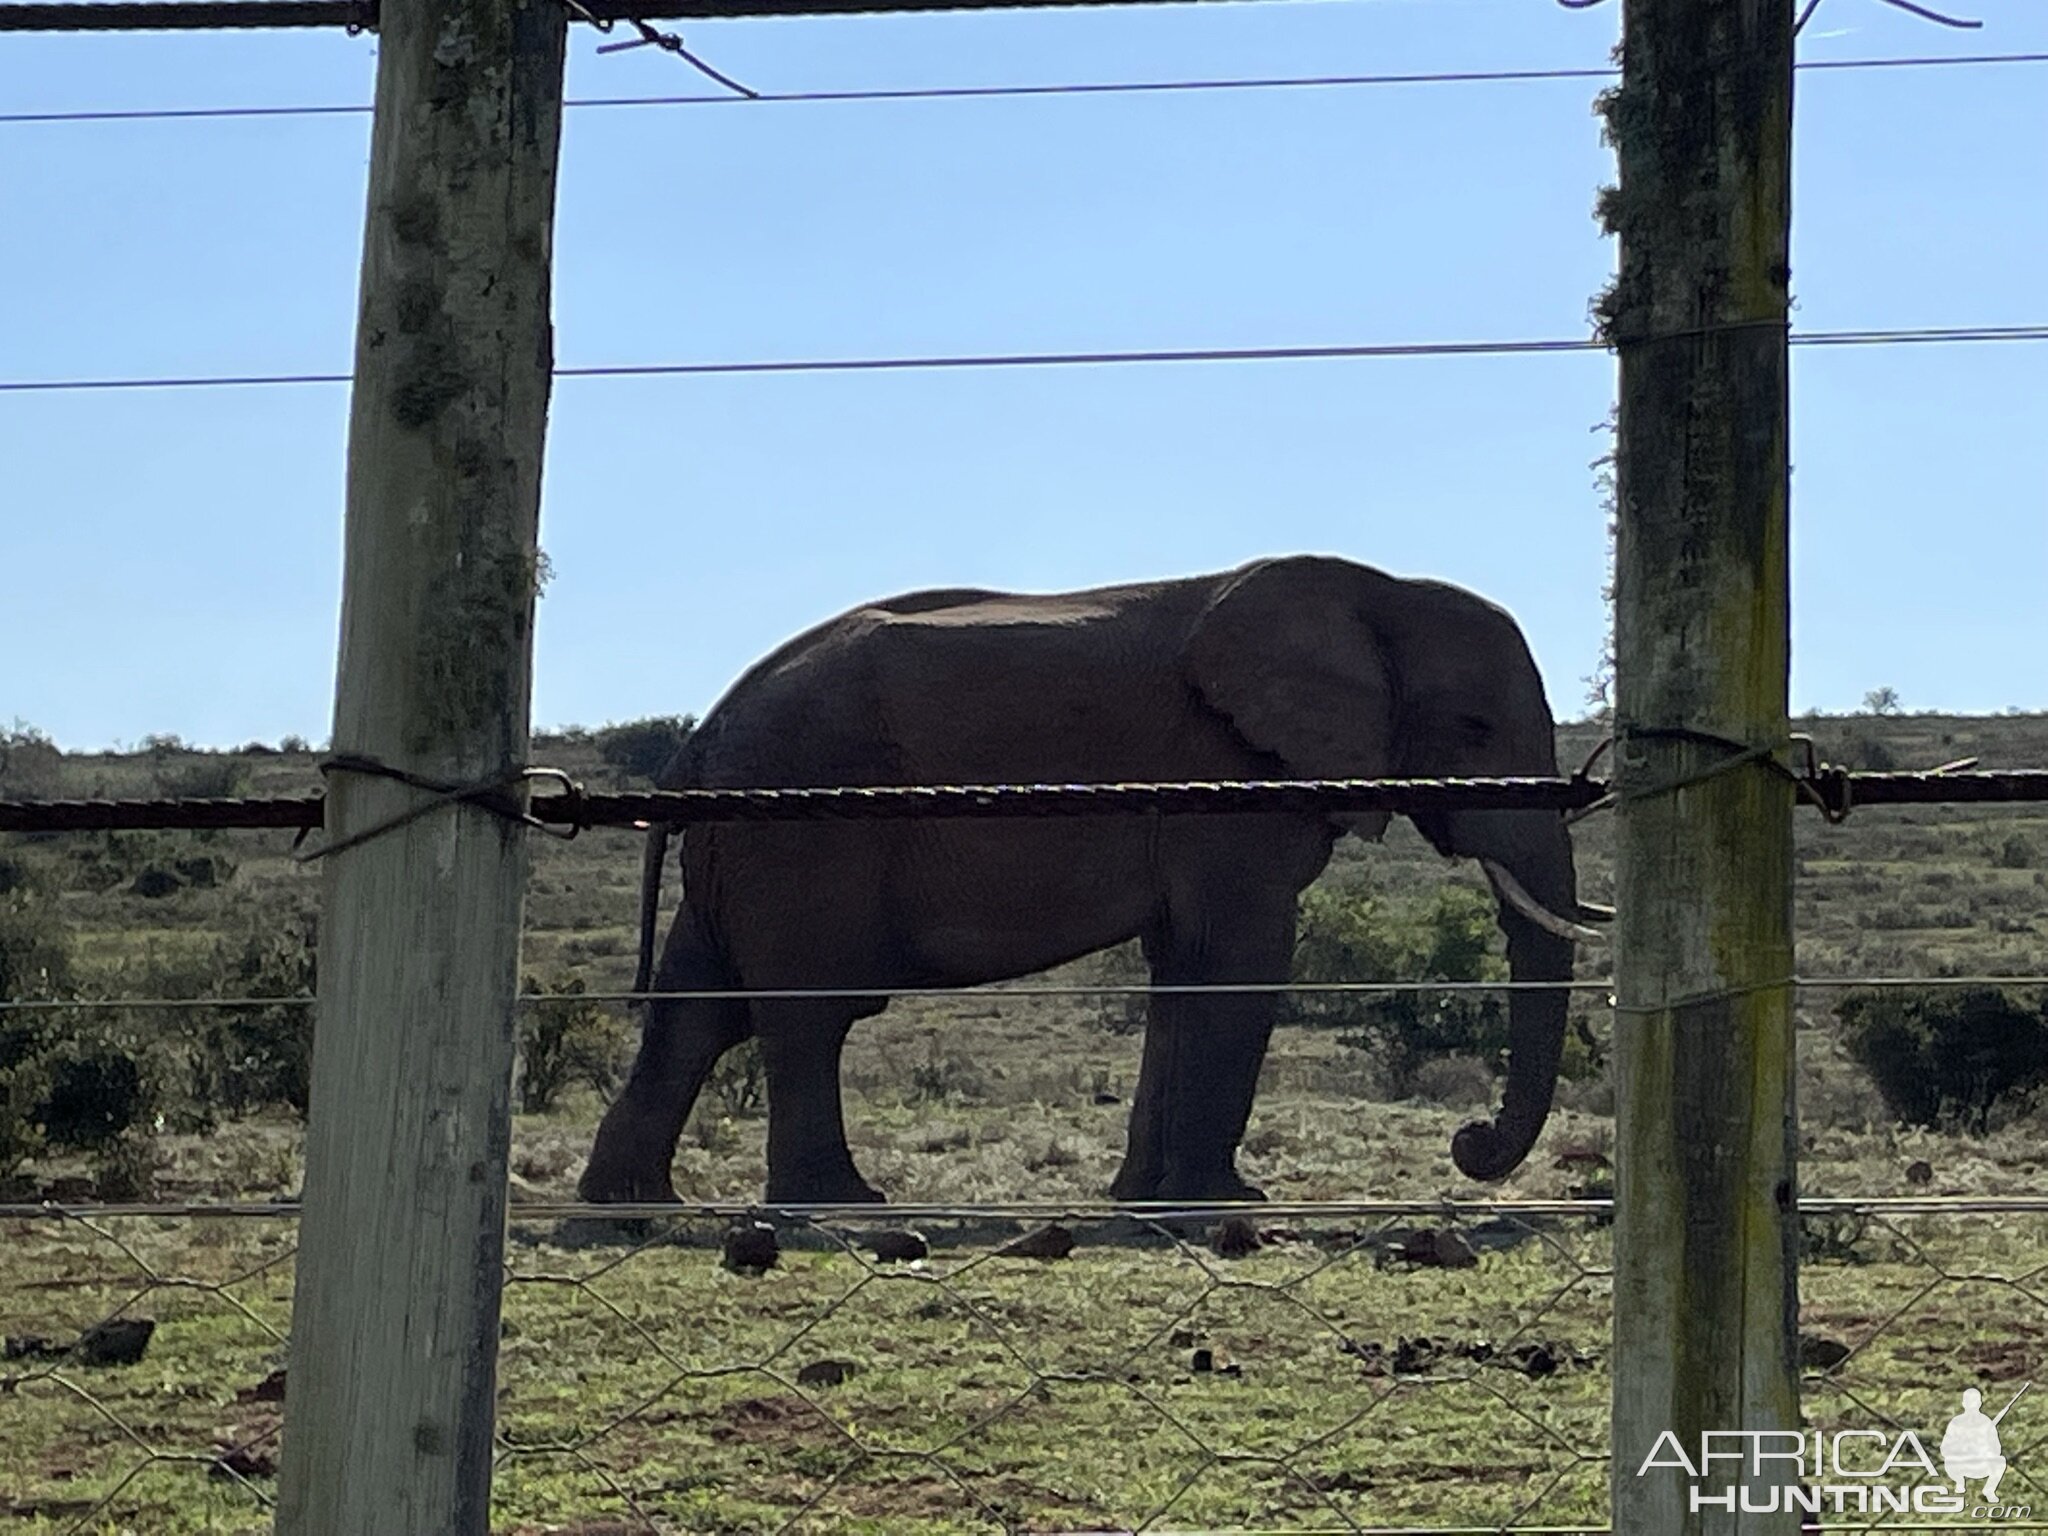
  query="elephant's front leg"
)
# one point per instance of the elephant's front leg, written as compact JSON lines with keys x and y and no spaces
{"x":1203,"y":1052}
{"x":1145,"y":1147}
{"x":809,"y":1161}
{"x":1214,"y":1072}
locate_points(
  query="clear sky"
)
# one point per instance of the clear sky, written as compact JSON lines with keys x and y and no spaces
{"x":171,"y":559}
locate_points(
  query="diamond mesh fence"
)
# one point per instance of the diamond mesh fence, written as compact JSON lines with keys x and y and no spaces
{"x":1366,"y":1368}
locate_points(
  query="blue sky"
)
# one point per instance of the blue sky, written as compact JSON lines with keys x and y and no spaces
{"x":173,"y":558}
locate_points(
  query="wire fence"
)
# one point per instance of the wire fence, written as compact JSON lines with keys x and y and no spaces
{"x":1316,"y":1364}
{"x":1001,"y":92}
{"x":1832,"y":790}
{"x":1157,"y":356}
{"x":1395,"y":1366}
{"x":1356,"y":1367}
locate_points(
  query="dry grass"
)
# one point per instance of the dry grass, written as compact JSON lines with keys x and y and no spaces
{"x":1047,"y":1394}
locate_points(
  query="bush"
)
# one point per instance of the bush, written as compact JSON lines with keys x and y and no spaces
{"x":642,"y":748}
{"x":149,"y":863}
{"x":35,"y":963}
{"x":95,"y":1095}
{"x":1355,"y":936}
{"x":738,"y":1086}
{"x":17,"y":873}
{"x":206,"y":777}
{"x":23,"y":1080}
{"x":564,"y":1041}
{"x":35,"y":955}
{"x":31,"y":766}
{"x":244,"y":1059}
{"x":85,"y":1081}
{"x":1947,"y":1059}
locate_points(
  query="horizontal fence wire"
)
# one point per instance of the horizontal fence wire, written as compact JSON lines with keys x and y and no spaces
{"x":1004,"y":992}
{"x":1900,"y":336}
{"x":1833,"y":789}
{"x":1041,"y":1210}
{"x":998,"y":92}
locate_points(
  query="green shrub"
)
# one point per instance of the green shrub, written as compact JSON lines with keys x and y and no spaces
{"x":204,"y":777}
{"x":737,"y":1088}
{"x":149,"y":863}
{"x":95,"y":1094}
{"x":31,"y":766}
{"x":642,"y":748}
{"x":1947,"y":1059}
{"x":236,"y":1061}
{"x":1355,"y":936}
{"x":35,"y":955}
{"x":566,"y":1040}
{"x":89,"y":1080}
{"x":18,"y":873}
{"x":35,"y":963}
{"x":22,"y":1083}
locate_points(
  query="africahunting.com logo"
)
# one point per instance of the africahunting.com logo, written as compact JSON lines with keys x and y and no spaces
{"x":1849,"y":1471}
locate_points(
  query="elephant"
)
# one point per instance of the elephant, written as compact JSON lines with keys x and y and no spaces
{"x":1298,"y":666}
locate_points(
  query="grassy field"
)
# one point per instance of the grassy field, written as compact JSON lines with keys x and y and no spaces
{"x":1345,"y":1384}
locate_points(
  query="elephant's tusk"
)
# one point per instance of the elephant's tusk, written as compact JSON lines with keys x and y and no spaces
{"x":1595,"y":912}
{"x":1512,"y":893}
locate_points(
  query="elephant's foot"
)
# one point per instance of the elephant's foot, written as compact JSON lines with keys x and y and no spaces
{"x":1214,"y":1188}
{"x":607,"y":1181}
{"x":1134,"y":1183}
{"x":843,"y":1186}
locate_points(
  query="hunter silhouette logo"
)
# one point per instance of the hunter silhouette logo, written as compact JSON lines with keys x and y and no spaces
{"x":1848,"y":1471}
{"x":1969,"y":1446}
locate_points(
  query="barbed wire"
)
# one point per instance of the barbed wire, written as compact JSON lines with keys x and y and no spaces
{"x":1900,"y":336}
{"x":999,"y":92}
{"x":1835,"y":791}
{"x":355,"y":16}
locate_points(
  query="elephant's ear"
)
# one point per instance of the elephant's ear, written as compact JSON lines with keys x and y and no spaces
{"x":1287,"y":652}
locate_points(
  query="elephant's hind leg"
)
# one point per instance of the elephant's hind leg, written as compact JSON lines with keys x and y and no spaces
{"x":680,"y":1042}
{"x":809,"y":1161}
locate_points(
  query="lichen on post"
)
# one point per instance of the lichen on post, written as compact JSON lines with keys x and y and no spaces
{"x":395,"y":1316}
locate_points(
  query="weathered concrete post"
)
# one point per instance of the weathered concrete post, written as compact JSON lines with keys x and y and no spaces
{"x":395,"y":1321}
{"x":1706,"y":1230}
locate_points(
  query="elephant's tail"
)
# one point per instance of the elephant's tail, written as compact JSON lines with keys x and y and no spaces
{"x":651,"y":860}
{"x":677,"y":772}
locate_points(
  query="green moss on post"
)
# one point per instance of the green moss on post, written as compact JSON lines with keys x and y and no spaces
{"x":1705,"y":1235}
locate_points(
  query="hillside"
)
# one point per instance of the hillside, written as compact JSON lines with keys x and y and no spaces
{"x":1067,"y":1392}
{"x":1934,"y":890}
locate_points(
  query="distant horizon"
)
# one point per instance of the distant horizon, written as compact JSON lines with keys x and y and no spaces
{"x":171,"y":742}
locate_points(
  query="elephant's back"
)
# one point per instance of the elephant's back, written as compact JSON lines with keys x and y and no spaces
{"x":963,"y":685}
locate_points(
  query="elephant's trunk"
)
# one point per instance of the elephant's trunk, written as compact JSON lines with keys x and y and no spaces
{"x":1533,"y":851}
